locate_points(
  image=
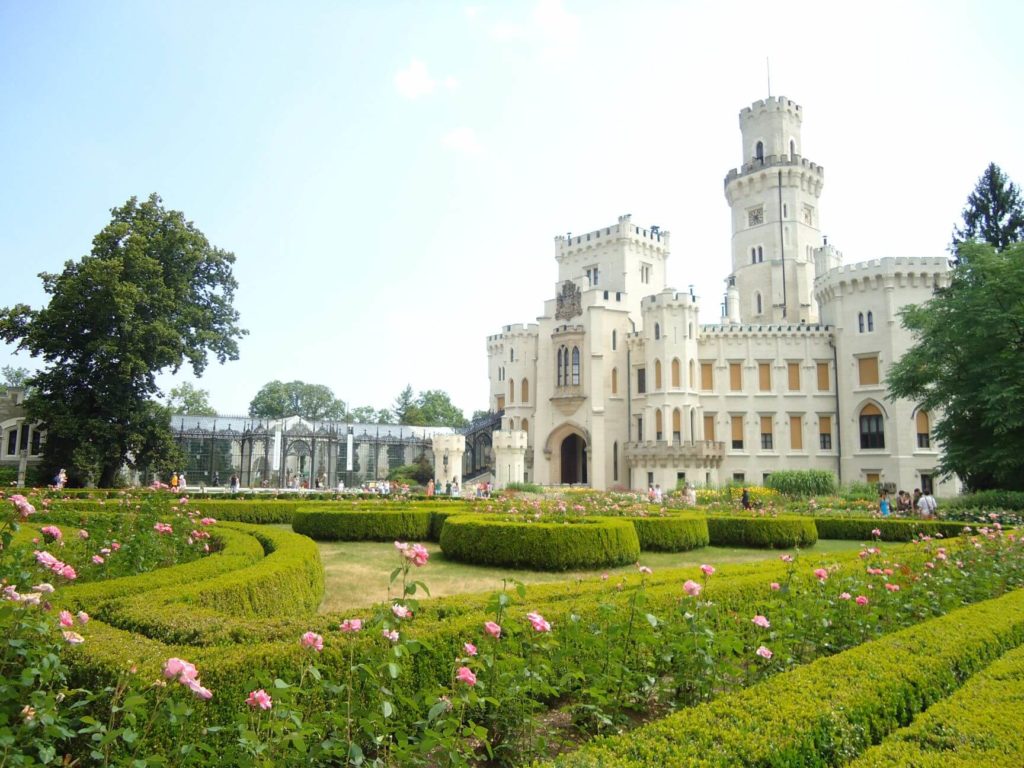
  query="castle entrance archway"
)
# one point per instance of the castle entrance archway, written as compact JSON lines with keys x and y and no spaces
{"x":574,"y":459}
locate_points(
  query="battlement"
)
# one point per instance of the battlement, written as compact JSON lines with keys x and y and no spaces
{"x":775,"y":161}
{"x":508,"y":440}
{"x":708,"y":332}
{"x":771,"y":104}
{"x":652,"y":236}
{"x":669,"y":297}
{"x":515,"y":330}
{"x":892,"y":264}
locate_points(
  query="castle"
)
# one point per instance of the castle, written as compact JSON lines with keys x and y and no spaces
{"x":618,"y":384}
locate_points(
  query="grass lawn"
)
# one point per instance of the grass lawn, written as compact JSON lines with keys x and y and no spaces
{"x":356,"y":572}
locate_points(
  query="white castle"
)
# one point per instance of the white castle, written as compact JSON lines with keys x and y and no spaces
{"x":618,"y":384}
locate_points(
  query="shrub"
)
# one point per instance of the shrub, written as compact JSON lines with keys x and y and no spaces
{"x":587,"y":543}
{"x":827,"y":711}
{"x":803,"y":482}
{"x":859,"y":492}
{"x":993,"y":499}
{"x":671,"y":534}
{"x":764,"y":532}
{"x":362,"y":525}
{"x":524,"y":488}
{"x":860,"y":528}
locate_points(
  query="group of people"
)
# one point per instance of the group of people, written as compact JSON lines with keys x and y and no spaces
{"x":923,"y":504}
{"x":451,"y":488}
{"x":654,"y":494}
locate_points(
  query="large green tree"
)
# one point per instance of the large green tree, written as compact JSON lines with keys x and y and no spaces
{"x":152,"y":295}
{"x":277,"y":400}
{"x":437,"y":409}
{"x":967,"y":363}
{"x":994,"y":213}
{"x":14,"y":377}
{"x":190,"y":400}
{"x":406,"y":409}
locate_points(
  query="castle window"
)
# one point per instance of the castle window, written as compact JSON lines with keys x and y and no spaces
{"x":645,"y":273}
{"x":785,"y":211}
{"x":525,"y":426}
{"x":796,"y":433}
{"x":614,"y":339}
{"x":758,"y":307}
{"x":677,"y":425}
{"x":615,"y":461}
{"x":511,"y":355}
{"x":575,"y":366}
{"x":657,"y":375}
{"x":657,"y":331}
{"x":823,"y":385}
{"x":825,"y":432}
{"x":12,"y":443}
{"x":641,"y":381}
{"x":737,"y":433}
{"x":764,"y":377}
{"x":766,"y":433}
{"x":689,"y":331}
{"x":735,"y":377}
{"x":675,"y":373}
{"x":759,"y":150}
{"x":511,"y":391}
{"x":793,"y":370}
{"x":753,"y":255}
{"x":615,"y":381}
{"x":871,"y":322}
{"x":526,"y":391}
{"x":709,"y":427}
{"x":693,"y":374}
{"x":923,"y":432}
{"x":657,"y":424}
{"x":860,"y":322}
{"x":707,"y":376}
{"x":872,"y":430}
{"x":792,"y":148}
{"x":867,"y":369}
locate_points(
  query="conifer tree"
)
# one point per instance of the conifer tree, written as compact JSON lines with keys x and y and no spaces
{"x":994,"y":213}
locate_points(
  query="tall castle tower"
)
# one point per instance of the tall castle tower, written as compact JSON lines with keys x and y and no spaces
{"x":775,"y":218}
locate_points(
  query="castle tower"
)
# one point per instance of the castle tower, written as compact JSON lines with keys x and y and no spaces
{"x":775,"y":218}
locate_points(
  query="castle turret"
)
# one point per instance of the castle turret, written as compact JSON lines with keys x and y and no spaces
{"x":775,"y":225}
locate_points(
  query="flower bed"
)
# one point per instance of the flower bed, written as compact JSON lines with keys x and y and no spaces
{"x":560,"y":546}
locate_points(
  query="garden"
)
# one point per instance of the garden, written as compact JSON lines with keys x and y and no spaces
{"x":568,"y":628}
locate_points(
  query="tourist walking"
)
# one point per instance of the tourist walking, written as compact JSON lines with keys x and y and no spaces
{"x":174,"y":482}
{"x":883,"y":504}
{"x":234,"y":483}
{"x":745,"y":499}
{"x":430,"y":487}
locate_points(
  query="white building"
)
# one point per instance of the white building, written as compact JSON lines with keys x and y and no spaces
{"x":618,"y":384}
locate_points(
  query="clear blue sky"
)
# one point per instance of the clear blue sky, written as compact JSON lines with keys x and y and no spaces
{"x":390,"y":175}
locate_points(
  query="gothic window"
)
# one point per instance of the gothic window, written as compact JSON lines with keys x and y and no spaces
{"x":758,"y":308}
{"x":860,"y":322}
{"x":657,"y":331}
{"x":675,"y":373}
{"x":511,"y":390}
{"x":615,"y":381}
{"x":525,"y":426}
{"x":511,"y":355}
{"x":785,"y":211}
{"x":575,"y":366}
{"x":615,"y":461}
{"x":689,"y":331}
{"x":657,"y":424}
{"x":792,"y":148}
{"x":753,"y":255}
{"x":677,"y":425}
{"x":614,"y":338}
{"x":871,"y":322}
{"x":760,"y":254}
{"x":641,"y":381}
{"x":923,"y":431}
{"x":759,"y":150}
{"x":526,"y":391}
{"x":562,"y":359}
{"x":693,"y":374}
{"x":872,"y":430}
{"x":657,"y":375}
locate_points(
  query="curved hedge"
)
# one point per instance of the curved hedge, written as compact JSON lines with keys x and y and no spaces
{"x":362,"y":525}
{"x":891,"y":529}
{"x":762,"y":532}
{"x":588,"y":543}
{"x":671,"y":534}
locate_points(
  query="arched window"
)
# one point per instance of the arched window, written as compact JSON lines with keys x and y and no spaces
{"x":525,"y":426}
{"x":511,"y":355}
{"x":615,"y":461}
{"x":753,"y":255}
{"x":615,"y":381}
{"x":677,"y":425}
{"x":526,"y":391}
{"x":657,"y":375}
{"x":614,"y":335}
{"x":871,"y":322}
{"x":675,"y":372}
{"x":657,"y":331}
{"x":760,"y":254}
{"x":872,"y":430}
{"x":657,"y":424}
{"x":689,"y":330}
{"x":759,"y":150}
{"x":757,"y":304}
{"x":860,"y":322}
{"x":792,"y":148}
{"x":923,"y":430}
{"x":511,"y":390}
{"x":560,"y":378}
{"x":575,"y":366}
{"x":693,"y":375}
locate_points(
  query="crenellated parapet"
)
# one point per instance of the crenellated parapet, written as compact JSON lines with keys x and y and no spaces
{"x":893,"y":272}
{"x":653,"y":238}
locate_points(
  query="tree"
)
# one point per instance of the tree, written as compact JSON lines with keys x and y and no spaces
{"x":277,"y":400}
{"x":152,"y":295}
{"x":364,"y":414}
{"x":14,"y":377}
{"x":406,"y":409}
{"x":190,"y":400}
{"x":437,"y":409}
{"x":994,"y":213}
{"x":967,"y":363}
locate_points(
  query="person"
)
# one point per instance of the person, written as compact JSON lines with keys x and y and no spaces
{"x":455,"y":489}
{"x":650,"y":494}
{"x":691,"y":496}
{"x":234,"y":483}
{"x":216,"y":479}
{"x":922,"y":504}
{"x":903,"y":502}
{"x":883,"y":504}
{"x":930,"y":503}
{"x":61,"y":479}
{"x":658,"y":496}
{"x":745,"y":499}
{"x":448,"y":488}
{"x":174,"y":482}
{"x":430,"y":487}
{"x":182,"y":483}
{"x":917,"y":500}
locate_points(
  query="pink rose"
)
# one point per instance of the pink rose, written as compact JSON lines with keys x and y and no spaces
{"x":83,"y":617}
{"x":208,"y":521}
{"x":707,"y":570}
{"x":351,"y":625}
{"x":73,"y":638}
{"x":761,"y":621}
{"x":876,"y":532}
{"x":644,"y":569}
{"x":861,"y":600}
{"x":390,"y":634}
{"x":775,"y":586}
{"x":465,"y":675}
{"x":83,"y":534}
{"x":604,"y":577}
{"x":786,"y":558}
{"x":492,"y":629}
{"x":97,"y":560}
{"x":845,"y":596}
{"x":22,"y":505}
{"x":692,"y":588}
{"x":66,"y":619}
{"x":201,"y":693}
{"x":260,"y":699}
{"x":312,"y":640}
{"x":764,"y":653}
{"x":892,"y":587}
{"x":469,"y":648}
{"x":51,"y":533}
{"x":400,"y":611}
{"x":821,"y":574}
{"x":538,"y":623}
{"x":180,"y":670}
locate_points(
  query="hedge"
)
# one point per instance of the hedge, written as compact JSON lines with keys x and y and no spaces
{"x":987,"y":500}
{"x":976,"y":727}
{"x":584,"y":543}
{"x":671,"y":534}
{"x":828,"y":711}
{"x":362,"y":525}
{"x":891,"y":529}
{"x":763,"y":532}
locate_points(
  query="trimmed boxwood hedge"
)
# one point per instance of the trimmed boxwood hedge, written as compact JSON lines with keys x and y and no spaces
{"x":671,"y":534}
{"x":362,"y":525}
{"x":828,"y":711}
{"x":860,"y":528}
{"x":976,"y":727}
{"x":591,"y":542}
{"x":762,"y":532}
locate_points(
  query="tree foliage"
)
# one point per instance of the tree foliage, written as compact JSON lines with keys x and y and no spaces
{"x":432,"y":407}
{"x":278,"y":400}
{"x":968,"y":363}
{"x":994,"y":213}
{"x":152,"y":295}
{"x":406,"y":410}
{"x":190,"y":400}
{"x":14,"y":377}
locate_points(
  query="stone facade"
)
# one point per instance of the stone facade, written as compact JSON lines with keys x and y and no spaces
{"x":618,"y":384}
{"x":20,"y":441}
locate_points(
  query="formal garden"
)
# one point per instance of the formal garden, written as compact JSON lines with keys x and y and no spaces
{"x":567,"y":628}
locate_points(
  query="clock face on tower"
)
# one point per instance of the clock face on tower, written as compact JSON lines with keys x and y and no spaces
{"x":755,"y":216}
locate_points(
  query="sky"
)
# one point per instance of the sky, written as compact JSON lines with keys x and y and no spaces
{"x":391,"y":175}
